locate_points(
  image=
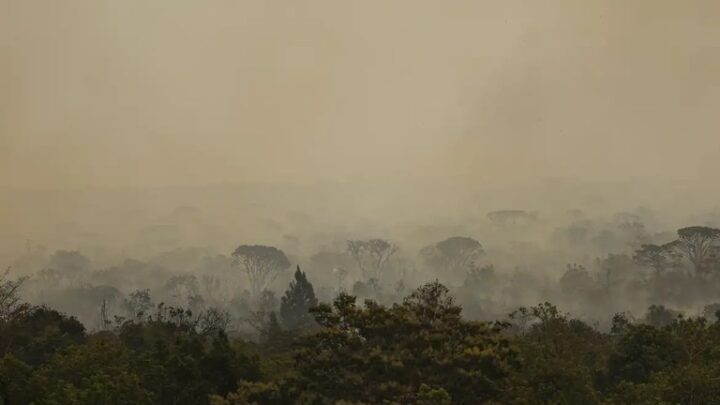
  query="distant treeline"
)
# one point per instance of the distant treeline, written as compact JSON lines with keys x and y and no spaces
{"x":641,"y":327}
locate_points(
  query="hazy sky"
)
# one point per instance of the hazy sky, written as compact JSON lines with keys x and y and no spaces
{"x":140,"y":92}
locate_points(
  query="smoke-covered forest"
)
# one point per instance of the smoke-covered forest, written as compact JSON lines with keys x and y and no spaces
{"x":506,"y":306}
{"x":326,"y":202}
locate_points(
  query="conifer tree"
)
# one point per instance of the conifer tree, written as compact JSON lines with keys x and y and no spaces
{"x":296,"y":304}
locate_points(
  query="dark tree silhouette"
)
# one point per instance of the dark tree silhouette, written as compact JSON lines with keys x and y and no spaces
{"x":295,"y":305}
{"x":697,"y":243}
{"x":660,"y":258}
{"x":371,"y":255}
{"x":263,"y":264}
{"x":455,"y":254}
{"x":10,"y":303}
{"x":137,"y":304}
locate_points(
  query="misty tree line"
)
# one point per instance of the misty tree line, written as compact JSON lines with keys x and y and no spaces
{"x":376,"y":339}
{"x":678,"y":273}
{"x":420,"y":350}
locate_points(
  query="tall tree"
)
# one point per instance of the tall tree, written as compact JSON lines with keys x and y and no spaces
{"x":371,"y":255}
{"x":660,"y":258}
{"x":137,"y":304}
{"x":264,"y":307}
{"x":697,"y":243}
{"x":263,"y":264}
{"x":10,"y":302}
{"x":455,"y":254}
{"x":295,"y":305}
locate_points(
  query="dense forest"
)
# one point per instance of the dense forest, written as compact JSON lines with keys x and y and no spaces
{"x":407,"y":202}
{"x":197,"y":341}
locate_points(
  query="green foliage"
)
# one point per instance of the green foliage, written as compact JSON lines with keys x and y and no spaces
{"x":374,"y":353}
{"x":561,"y":357}
{"x":165,"y":360}
{"x":258,"y":393}
{"x":181,"y":366}
{"x":642,"y":351}
{"x":432,"y":396}
{"x":658,"y":315}
{"x":40,"y":332}
{"x":14,"y":377}
{"x":97,"y":373}
{"x":296,"y":303}
{"x":419,"y":351}
{"x":676,"y":364}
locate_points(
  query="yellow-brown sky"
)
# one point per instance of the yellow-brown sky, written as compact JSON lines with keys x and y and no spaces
{"x":151,"y":93}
